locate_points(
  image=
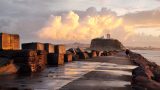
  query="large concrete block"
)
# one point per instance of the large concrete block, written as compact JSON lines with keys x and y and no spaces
{"x":5,"y":41}
{"x":28,"y":60}
{"x":49,"y":47}
{"x":35,"y":64}
{"x":60,"y":49}
{"x":9,"y":41}
{"x":33,"y":46}
{"x":55,"y":59}
{"x":42,"y":61}
{"x":18,"y":53}
{"x":30,"y":63}
{"x":15,"y":42}
{"x":68,"y":57}
{"x":42,"y":58}
{"x":25,"y":60}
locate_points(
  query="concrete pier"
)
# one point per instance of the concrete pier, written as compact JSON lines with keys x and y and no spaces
{"x":100,"y":73}
{"x":113,"y":73}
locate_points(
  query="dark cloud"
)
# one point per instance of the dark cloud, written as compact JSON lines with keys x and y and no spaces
{"x":27,"y":17}
{"x":143,"y":19}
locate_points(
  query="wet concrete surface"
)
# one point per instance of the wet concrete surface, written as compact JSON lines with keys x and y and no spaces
{"x":100,"y":73}
{"x":114,"y":73}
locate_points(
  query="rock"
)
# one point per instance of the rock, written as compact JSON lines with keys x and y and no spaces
{"x":148,"y":72}
{"x":146,"y":75}
{"x":72,"y":50}
{"x":142,"y":71}
{"x":100,"y":53}
{"x":105,"y":53}
{"x":75,"y":57}
{"x":139,"y":71}
{"x":156,"y":72}
{"x":147,"y":83}
{"x":78,"y":50}
{"x":139,"y":60}
{"x":83,"y":55}
{"x":127,"y":52}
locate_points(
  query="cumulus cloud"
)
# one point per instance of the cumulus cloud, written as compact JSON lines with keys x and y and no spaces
{"x":89,"y":24}
{"x":33,"y":19}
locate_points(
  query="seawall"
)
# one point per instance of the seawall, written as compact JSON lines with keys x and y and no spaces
{"x":147,"y":75}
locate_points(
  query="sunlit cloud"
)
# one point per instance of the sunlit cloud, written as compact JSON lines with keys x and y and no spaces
{"x":81,"y":20}
{"x":69,"y":27}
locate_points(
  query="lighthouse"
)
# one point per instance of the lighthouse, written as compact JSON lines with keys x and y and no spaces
{"x":108,"y":36}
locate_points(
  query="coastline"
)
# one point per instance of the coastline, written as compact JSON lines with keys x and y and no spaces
{"x":146,"y":75}
{"x":113,"y":71}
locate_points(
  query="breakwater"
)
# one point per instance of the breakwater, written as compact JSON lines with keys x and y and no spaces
{"x":36,"y":56}
{"x":147,"y":75}
{"x":111,"y":72}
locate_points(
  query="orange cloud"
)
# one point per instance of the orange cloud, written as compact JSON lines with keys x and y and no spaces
{"x":71,"y":28}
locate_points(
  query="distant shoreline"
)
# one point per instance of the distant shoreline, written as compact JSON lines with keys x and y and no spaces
{"x":82,"y":45}
{"x":155,"y":49}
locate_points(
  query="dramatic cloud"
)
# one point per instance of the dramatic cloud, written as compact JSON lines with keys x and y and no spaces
{"x":70,"y":27}
{"x":70,"y":20}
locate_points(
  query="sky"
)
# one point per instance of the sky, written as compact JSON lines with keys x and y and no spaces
{"x":133,"y":22}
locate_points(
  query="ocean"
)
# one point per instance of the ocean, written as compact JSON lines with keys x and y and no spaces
{"x":151,"y":55}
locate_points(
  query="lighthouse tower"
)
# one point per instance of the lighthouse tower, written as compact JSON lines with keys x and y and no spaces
{"x":108,"y":36}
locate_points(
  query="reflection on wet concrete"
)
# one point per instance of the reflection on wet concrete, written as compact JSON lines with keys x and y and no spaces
{"x":52,"y":78}
{"x":114,"y":73}
{"x":108,"y":74}
{"x":104,"y":78}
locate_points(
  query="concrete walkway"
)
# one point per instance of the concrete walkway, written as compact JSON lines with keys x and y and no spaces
{"x":114,"y":73}
{"x":100,"y":73}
